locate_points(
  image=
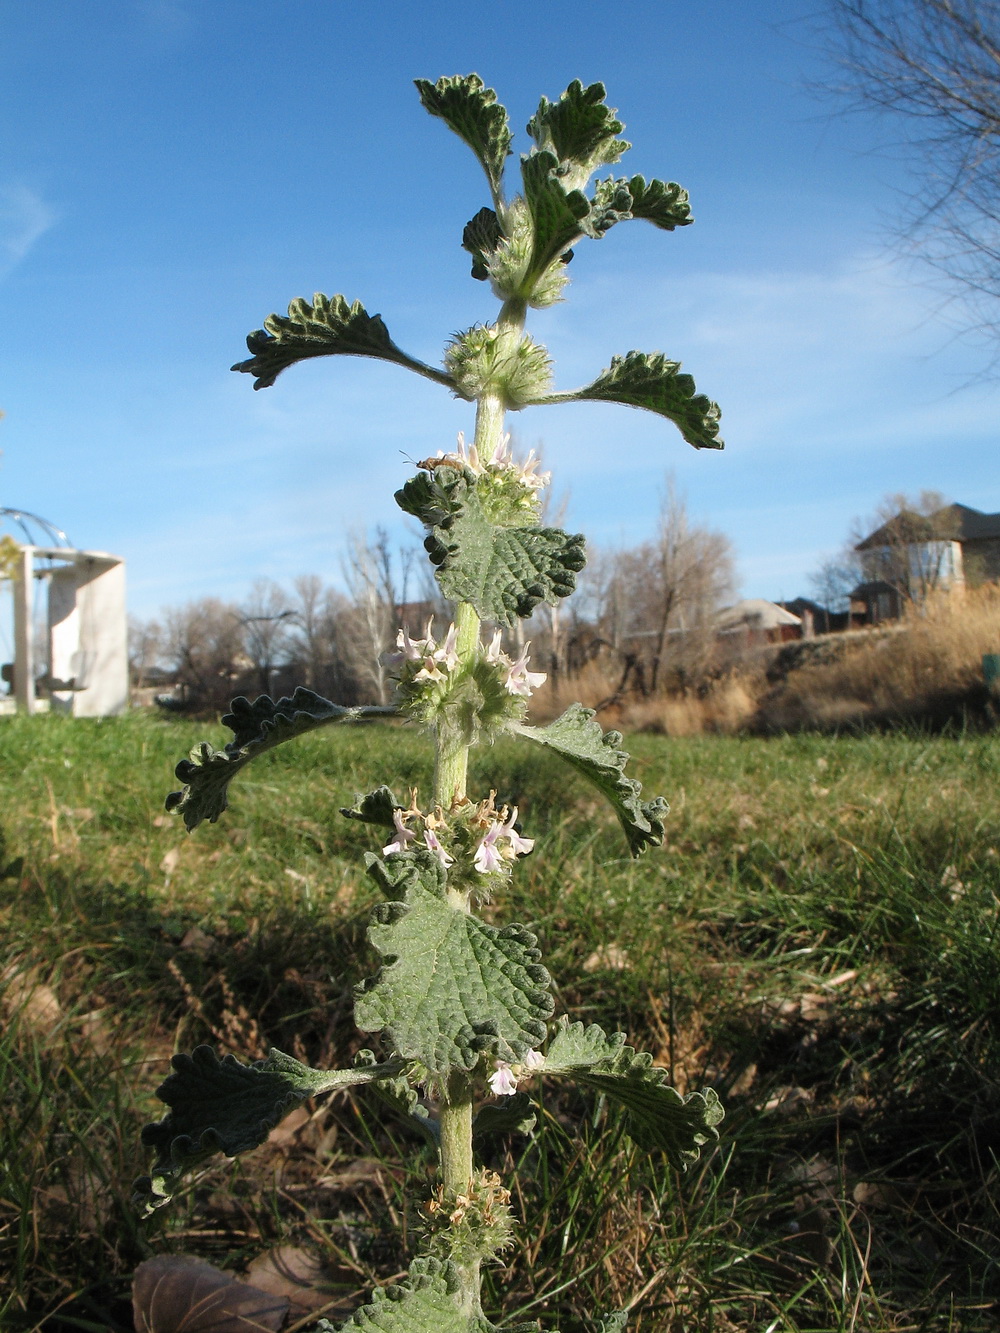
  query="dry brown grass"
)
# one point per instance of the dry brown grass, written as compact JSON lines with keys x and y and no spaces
{"x":926,"y":669}
{"x":929,"y":669}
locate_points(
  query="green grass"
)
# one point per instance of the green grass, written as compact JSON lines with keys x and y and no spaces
{"x":818,"y":940}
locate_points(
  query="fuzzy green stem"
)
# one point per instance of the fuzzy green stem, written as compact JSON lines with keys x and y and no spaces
{"x":450,"y":776}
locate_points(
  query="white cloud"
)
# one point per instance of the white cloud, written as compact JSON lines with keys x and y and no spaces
{"x":24,"y":218}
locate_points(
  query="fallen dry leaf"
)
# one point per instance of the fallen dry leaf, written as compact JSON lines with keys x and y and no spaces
{"x":291,"y":1271}
{"x":179,"y":1294}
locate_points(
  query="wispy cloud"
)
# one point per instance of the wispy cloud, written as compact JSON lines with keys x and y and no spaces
{"x":24,"y":218}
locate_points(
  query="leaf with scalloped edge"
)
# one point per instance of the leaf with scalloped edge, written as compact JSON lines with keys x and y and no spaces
{"x":504,"y":568}
{"x":229,"y":1107}
{"x":579,"y":129}
{"x":648,"y":380}
{"x":481,"y":236}
{"x":451,"y":986}
{"x":428,"y":1300}
{"x":256,"y":727}
{"x":471,"y":109}
{"x":657,"y":1116}
{"x":558,"y":214}
{"x":594,"y":753}
{"x":663,"y":203}
{"x":377,"y":807}
{"x":329,"y":326}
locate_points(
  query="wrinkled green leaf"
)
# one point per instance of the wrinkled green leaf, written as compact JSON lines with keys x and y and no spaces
{"x":375,"y":808}
{"x":499,"y":563}
{"x":507,"y":1115}
{"x":664,"y":203}
{"x":579,"y":130}
{"x":481,"y":236}
{"x":452,"y":986}
{"x":256,"y":727}
{"x":327,"y":327}
{"x":613,"y":1323}
{"x":401,"y":1097}
{"x":558,"y":213}
{"x":426,"y":1301}
{"x":473,"y":112}
{"x":656,"y":1115}
{"x":402,"y":871}
{"x":229,"y":1107}
{"x":648,"y":380}
{"x":594,"y":753}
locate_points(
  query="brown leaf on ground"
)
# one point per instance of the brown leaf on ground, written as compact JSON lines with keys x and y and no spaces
{"x":287,"y":1130}
{"x":299,"y":1274}
{"x":179,"y":1294}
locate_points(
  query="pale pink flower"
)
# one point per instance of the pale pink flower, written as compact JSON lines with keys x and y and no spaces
{"x":531,"y":478}
{"x":447,"y":653}
{"x":533,"y":1060}
{"x":519,"y":679}
{"x":434,"y":845}
{"x":519,"y":846}
{"x":403,"y":835}
{"x":502,"y":1082}
{"x":413,"y":649}
{"x":494,"y":653}
{"x":500,"y":457}
{"x":487,"y":856}
{"x":431,"y":670}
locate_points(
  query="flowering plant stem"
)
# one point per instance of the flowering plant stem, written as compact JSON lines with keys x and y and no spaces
{"x":463,"y":1006}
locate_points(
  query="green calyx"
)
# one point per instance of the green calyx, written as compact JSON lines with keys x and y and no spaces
{"x":484,"y":359}
{"x":471,"y":1224}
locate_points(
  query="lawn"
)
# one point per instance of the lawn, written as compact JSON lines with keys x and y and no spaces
{"x":817,"y":940}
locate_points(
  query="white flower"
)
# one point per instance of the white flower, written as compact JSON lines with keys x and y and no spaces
{"x":533,"y":1060}
{"x":528,"y":476}
{"x":519,"y":846}
{"x":487,"y":856}
{"x":413,"y":649}
{"x":434,"y":845}
{"x":447,"y":653}
{"x":519,"y":679}
{"x":500,"y":456}
{"x":502,"y":1082}
{"x":494,"y":653}
{"x":403,"y":835}
{"x":431,"y":669}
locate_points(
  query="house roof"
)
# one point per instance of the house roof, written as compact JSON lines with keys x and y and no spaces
{"x":953,"y":522}
{"x":754,"y":613}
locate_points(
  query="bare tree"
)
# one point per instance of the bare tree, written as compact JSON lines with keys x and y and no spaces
{"x":835,"y":580}
{"x":145,"y":648}
{"x":909,"y":546}
{"x":377,"y":581}
{"x":264,"y":616}
{"x":658,"y":600}
{"x":203,"y":641}
{"x":934,"y":66}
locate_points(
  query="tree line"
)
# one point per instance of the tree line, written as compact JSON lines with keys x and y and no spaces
{"x":645,"y":613}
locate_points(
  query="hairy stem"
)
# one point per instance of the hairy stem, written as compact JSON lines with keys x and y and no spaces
{"x":450,"y":776}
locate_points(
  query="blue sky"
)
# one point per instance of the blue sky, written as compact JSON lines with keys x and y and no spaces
{"x":173,"y":170}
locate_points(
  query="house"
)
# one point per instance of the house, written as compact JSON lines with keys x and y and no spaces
{"x":913,"y":554}
{"x":758,"y":621}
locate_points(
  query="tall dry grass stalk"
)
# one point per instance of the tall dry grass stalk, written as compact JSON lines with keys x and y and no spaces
{"x":929,"y":668}
{"x":926,"y":668}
